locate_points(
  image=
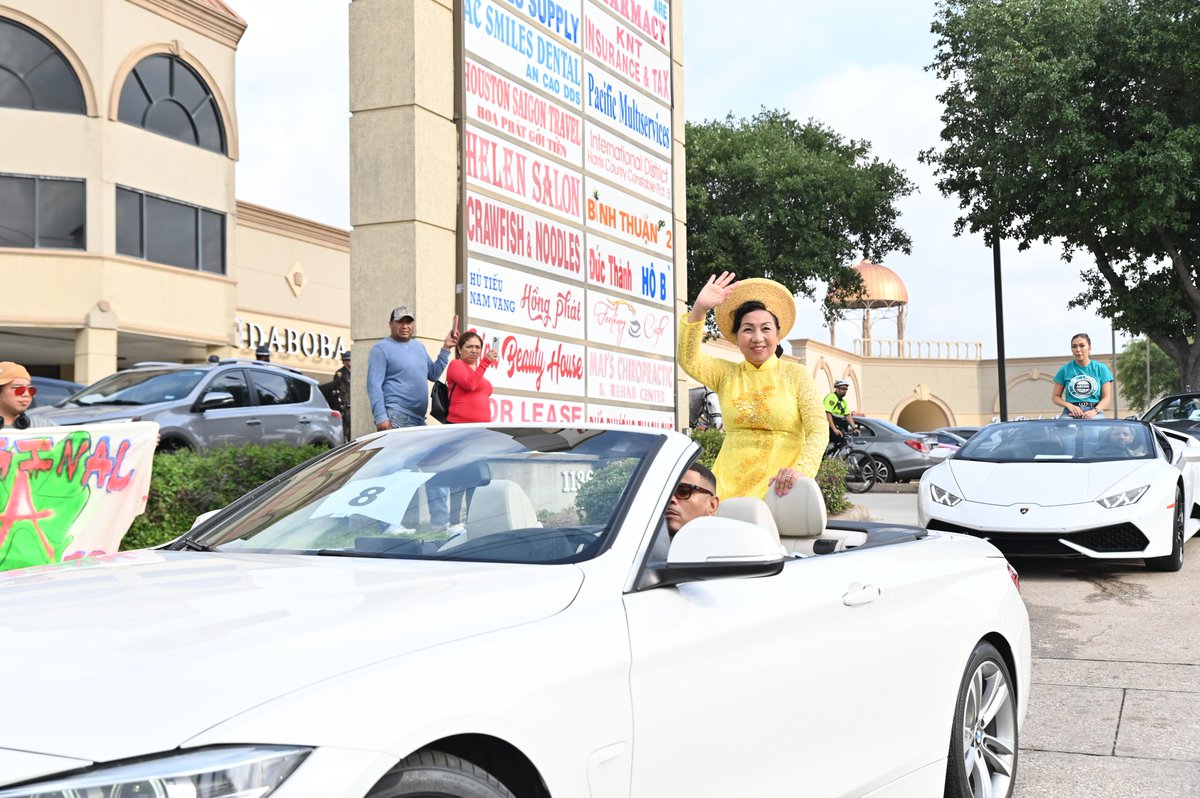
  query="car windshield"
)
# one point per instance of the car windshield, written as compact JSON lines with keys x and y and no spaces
{"x":141,"y":387}
{"x":1175,"y":408}
{"x":522,"y":495}
{"x":1059,"y":441}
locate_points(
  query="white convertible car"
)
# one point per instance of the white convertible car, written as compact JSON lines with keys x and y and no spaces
{"x":1070,"y":488}
{"x":319,"y":638}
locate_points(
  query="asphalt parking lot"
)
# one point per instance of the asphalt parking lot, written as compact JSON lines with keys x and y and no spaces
{"x":1115,"y":704}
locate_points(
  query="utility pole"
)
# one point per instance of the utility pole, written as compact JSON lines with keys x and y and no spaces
{"x":1003,"y":382}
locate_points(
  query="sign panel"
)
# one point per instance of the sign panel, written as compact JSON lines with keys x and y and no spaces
{"x":628,"y":218}
{"x":628,"y":166}
{"x":71,"y":492}
{"x":630,"y":416}
{"x":560,"y":17}
{"x":515,"y":172}
{"x":524,"y":237}
{"x":627,"y":110}
{"x":528,"y":301}
{"x":652,"y":18}
{"x":624,"y":377}
{"x":497,"y":35}
{"x":537,"y":364}
{"x":622,"y":323}
{"x":630,"y":271}
{"x":507,"y":106}
{"x":532,"y":410}
{"x":626,"y":53}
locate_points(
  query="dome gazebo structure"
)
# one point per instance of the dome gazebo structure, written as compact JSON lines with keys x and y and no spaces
{"x":883,"y":296}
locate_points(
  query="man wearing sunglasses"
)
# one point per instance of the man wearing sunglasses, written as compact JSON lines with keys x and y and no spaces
{"x":16,"y":393}
{"x":695,"y":496}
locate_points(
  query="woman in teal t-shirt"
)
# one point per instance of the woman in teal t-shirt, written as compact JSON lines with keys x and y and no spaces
{"x":1083,"y":387}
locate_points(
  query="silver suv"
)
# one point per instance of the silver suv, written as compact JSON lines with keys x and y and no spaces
{"x":199,"y":406}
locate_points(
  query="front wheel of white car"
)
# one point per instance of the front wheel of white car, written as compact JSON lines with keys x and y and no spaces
{"x":983,"y":740}
{"x":433,"y":774}
{"x":1174,"y":560}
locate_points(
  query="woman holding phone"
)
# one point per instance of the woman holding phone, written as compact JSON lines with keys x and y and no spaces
{"x":470,"y":391}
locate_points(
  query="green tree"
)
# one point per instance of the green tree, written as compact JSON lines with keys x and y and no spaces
{"x":771,"y":197}
{"x":1131,"y":374}
{"x":1078,"y":122}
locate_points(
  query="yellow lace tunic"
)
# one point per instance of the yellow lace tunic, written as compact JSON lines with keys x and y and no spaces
{"x":773,"y":416}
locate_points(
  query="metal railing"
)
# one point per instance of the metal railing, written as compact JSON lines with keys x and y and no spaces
{"x":908,"y":348}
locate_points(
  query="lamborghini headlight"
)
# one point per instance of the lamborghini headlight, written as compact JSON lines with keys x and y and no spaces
{"x":943,"y":496}
{"x":252,"y":771}
{"x":1122,"y":499}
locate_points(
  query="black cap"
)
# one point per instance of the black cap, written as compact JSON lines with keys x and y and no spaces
{"x":346,"y":355}
{"x":262,"y":351}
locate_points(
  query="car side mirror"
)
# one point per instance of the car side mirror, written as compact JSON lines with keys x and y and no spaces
{"x":214,"y":399}
{"x":712,"y":547}
{"x":939,"y":453}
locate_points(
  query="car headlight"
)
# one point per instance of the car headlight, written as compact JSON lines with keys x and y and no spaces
{"x":939,"y":495}
{"x":1122,"y":499}
{"x":236,"y":772}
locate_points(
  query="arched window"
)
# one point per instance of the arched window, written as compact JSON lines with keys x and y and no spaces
{"x":165,"y":95}
{"x":33,"y":73}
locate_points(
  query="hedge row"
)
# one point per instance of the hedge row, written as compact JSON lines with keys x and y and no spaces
{"x":185,"y":484}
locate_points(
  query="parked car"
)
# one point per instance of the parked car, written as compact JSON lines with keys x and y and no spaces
{"x":963,"y":432}
{"x":1179,"y":411}
{"x":201,"y":405}
{"x":1068,"y":488}
{"x":902,"y":455}
{"x":52,"y":391}
{"x":943,"y":440}
{"x":326,"y":639}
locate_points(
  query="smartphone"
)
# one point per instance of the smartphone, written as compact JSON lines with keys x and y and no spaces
{"x":496,"y":345}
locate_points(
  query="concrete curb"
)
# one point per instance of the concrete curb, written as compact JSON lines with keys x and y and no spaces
{"x":856,"y":513}
{"x":896,"y":487}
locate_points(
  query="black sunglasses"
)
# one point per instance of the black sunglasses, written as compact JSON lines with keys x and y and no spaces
{"x":684,"y":491}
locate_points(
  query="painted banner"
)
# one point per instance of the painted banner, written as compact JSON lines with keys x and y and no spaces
{"x":630,"y":271}
{"x":527,"y":301}
{"x":497,"y":35}
{"x":531,"y":410}
{"x":518,"y":174}
{"x":524,"y":237}
{"x":620,"y":322}
{"x":652,"y":18}
{"x":70,"y":492}
{"x":511,"y":108}
{"x":627,"y":110}
{"x":628,"y":218}
{"x":627,"y":165}
{"x":630,"y":416}
{"x":626,"y":53}
{"x":622,"y":377}
{"x":560,"y":17}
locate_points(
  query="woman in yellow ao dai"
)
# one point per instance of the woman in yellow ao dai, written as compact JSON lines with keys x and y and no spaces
{"x":775,"y":427}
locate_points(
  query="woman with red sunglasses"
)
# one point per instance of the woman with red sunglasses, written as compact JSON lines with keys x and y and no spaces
{"x":16,"y":392}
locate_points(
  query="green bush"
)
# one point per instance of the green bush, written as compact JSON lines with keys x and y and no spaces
{"x":831,"y":476}
{"x":185,"y":484}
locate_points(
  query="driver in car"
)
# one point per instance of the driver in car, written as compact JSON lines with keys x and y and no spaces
{"x":694,"y":496}
{"x":1122,"y":439}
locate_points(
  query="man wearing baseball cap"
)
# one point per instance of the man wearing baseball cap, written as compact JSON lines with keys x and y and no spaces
{"x":16,"y":394}
{"x":837,"y":413}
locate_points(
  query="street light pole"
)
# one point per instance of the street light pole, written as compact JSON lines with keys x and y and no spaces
{"x":999,"y":326}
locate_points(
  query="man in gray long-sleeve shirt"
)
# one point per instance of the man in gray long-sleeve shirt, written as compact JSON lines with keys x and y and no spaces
{"x":399,"y":371}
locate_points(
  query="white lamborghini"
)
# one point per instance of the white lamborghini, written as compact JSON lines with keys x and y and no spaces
{"x":1070,"y":488}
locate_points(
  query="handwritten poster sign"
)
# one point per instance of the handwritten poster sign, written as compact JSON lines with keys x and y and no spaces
{"x":529,"y":301}
{"x":515,"y":172}
{"x":518,"y":236}
{"x":627,"y":110}
{"x":628,"y":166}
{"x":628,"y":218}
{"x":652,"y":17}
{"x":510,"y":43}
{"x":509,"y":107}
{"x":623,"y":323}
{"x":626,"y":53}
{"x":70,"y":492}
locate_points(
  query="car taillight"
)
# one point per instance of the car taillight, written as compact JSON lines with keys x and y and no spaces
{"x":1012,"y":573}
{"x":337,"y":415}
{"x":919,"y":446}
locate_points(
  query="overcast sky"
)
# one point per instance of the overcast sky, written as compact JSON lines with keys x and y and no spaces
{"x":856,"y":67}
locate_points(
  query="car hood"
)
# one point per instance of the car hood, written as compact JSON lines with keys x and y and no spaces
{"x":1044,"y":484}
{"x":159,"y":646}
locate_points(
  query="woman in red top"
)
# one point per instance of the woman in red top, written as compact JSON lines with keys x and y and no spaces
{"x":470,"y":392}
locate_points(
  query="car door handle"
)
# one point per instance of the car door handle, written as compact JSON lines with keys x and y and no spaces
{"x":305,"y":420}
{"x":253,"y":422}
{"x":858,"y":595}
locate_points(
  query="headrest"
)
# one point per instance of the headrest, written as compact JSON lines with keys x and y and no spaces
{"x":750,"y":510}
{"x":801,"y":513}
{"x":500,"y":506}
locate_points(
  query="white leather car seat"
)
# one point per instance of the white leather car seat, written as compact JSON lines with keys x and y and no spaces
{"x":750,"y":510}
{"x":499,"y":506}
{"x":800,"y":516}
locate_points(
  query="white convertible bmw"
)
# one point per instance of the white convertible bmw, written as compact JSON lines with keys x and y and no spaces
{"x":319,"y":638}
{"x":1070,"y":488}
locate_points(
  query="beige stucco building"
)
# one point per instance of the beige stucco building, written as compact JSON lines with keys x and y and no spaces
{"x":121,"y":237}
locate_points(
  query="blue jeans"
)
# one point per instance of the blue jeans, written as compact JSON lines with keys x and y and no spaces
{"x":438,"y":498}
